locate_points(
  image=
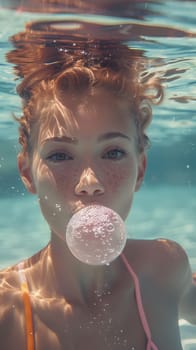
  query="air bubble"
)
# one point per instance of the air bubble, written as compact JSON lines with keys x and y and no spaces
{"x":96,"y":235}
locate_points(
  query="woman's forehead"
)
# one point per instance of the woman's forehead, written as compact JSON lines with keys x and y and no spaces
{"x":73,"y":115}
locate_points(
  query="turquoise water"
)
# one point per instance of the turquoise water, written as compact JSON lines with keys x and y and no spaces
{"x":166,"y":205}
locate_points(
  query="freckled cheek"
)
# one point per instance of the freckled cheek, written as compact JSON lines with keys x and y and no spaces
{"x":116,"y":177}
{"x":66,"y":178}
{"x":50,"y":181}
{"x":42,"y":176}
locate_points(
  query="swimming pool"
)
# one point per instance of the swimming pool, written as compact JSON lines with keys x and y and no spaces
{"x":165,"y":206}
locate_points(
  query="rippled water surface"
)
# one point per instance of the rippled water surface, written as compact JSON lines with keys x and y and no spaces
{"x":166,"y":205}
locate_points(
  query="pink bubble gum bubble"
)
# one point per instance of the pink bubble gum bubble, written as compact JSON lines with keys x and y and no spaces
{"x":96,"y":235}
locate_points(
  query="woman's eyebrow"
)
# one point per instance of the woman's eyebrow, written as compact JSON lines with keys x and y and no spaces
{"x":113,"y":135}
{"x":62,"y":138}
{"x":73,"y":140}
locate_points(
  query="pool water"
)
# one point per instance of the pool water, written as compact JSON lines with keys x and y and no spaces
{"x":165,"y":206}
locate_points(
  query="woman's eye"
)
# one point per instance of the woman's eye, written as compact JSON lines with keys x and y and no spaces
{"x":114,"y":154}
{"x":59,"y":157}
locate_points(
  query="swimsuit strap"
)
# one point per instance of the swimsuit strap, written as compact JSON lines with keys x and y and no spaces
{"x":150,"y":343}
{"x":29,"y":316}
{"x":30,"y":341}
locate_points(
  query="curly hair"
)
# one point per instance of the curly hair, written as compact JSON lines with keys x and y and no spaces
{"x":54,"y":70}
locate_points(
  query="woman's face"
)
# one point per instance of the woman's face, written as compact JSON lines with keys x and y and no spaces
{"x":87,"y":156}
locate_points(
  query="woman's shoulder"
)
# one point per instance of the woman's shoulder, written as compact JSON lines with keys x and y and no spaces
{"x":9,"y":299}
{"x":13,"y":277}
{"x":11,"y":309}
{"x":9,"y":277}
{"x":164,"y":260}
{"x":160,"y":250}
{"x":10,"y":294}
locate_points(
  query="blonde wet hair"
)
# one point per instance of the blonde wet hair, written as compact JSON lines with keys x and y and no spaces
{"x":51,"y":73}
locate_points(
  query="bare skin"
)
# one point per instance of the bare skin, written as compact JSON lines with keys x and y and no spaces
{"x":70,"y":313}
{"x":76,"y":306}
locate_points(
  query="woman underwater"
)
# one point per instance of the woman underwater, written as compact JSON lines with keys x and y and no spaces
{"x":83,"y":141}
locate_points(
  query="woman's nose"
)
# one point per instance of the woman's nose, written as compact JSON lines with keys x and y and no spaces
{"x":89,"y":184}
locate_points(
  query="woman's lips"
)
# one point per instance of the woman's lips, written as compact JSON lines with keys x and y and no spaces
{"x":78,"y":206}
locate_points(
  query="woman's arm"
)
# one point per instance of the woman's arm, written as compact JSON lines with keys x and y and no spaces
{"x":179,"y":278}
{"x":187,"y":309}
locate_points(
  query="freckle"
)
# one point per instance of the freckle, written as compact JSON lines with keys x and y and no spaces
{"x":115,"y":179}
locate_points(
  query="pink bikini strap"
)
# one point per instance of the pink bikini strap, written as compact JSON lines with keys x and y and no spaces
{"x":150,"y":343}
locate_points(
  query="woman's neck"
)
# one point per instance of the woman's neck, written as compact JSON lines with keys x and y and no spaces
{"x":76,"y":280}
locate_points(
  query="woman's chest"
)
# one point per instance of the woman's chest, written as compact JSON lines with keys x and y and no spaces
{"x":96,"y":329}
{"x":110,"y":324}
